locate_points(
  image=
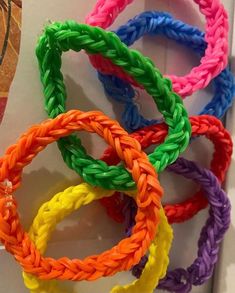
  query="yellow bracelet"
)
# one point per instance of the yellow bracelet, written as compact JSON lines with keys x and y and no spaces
{"x":71,"y":199}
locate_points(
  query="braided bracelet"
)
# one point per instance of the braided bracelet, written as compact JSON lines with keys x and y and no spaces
{"x":181,"y":280}
{"x":205,"y":125}
{"x":161,"y":23}
{"x":63,"y":204}
{"x":61,"y":37}
{"x":211,"y":64}
{"x":122,"y":256}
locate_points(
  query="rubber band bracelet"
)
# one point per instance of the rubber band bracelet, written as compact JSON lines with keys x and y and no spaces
{"x":161,"y":23}
{"x":60,"y":37}
{"x":123,"y":255}
{"x":203,"y":125}
{"x":181,"y":280}
{"x":64,"y":203}
{"x":211,"y":64}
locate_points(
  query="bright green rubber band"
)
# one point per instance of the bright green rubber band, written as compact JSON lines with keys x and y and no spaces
{"x":60,"y":37}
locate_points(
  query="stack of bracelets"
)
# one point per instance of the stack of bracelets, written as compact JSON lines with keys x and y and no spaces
{"x":130,"y":192}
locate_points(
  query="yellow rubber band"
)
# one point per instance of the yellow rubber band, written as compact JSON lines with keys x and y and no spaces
{"x":71,"y":199}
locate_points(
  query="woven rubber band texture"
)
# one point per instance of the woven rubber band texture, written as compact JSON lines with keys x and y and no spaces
{"x":64,"y":203}
{"x":211,"y":64}
{"x":123,"y":255}
{"x":60,"y":37}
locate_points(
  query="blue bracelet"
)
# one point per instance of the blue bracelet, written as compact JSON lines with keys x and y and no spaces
{"x":161,"y":23}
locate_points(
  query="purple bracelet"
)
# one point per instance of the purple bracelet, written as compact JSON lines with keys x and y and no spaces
{"x":181,"y":280}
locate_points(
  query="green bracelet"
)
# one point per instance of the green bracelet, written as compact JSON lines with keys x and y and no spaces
{"x":60,"y":37}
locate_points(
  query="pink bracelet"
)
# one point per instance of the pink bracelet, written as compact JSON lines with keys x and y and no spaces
{"x":216,"y":55}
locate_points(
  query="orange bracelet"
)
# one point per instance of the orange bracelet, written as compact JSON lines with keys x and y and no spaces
{"x":128,"y":251}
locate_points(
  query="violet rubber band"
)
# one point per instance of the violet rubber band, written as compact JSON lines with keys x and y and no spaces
{"x":181,"y":280}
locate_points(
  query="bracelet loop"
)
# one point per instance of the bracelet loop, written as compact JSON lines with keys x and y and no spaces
{"x":163,"y":24}
{"x":123,"y":255}
{"x":203,"y":125}
{"x":63,"y":204}
{"x":181,"y":280}
{"x":61,"y":37}
{"x":211,"y":64}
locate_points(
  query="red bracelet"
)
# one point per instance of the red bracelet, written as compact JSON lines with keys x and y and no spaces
{"x":205,"y":125}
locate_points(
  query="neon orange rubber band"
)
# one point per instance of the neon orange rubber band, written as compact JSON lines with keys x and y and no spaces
{"x":127,"y":252}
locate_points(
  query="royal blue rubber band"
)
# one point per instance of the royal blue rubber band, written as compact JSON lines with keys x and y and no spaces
{"x":161,"y":23}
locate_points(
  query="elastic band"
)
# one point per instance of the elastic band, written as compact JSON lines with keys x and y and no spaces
{"x":211,"y":64}
{"x":163,"y":24}
{"x":181,"y":280}
{"x":71,"y":199}
{"x":60,"y":37}
{"x":203,"y":125}
{"x":123,"y":255}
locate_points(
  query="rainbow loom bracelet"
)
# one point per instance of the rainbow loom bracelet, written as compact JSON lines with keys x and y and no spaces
{"x":211,"y":64}
{"x":60,"y":37}
{"x":71,"y":199}
{"x":157,"y":24}
{"x":181,"y":280}
{"x":203,"y":125}
{"x":120,"y":257}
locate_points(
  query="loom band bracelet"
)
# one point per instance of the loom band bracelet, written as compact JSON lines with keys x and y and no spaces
{"x":63,"y":204}
{"x":161,"y":23}
{"x":211,"y":64}
{"x":149,"y":192}
{"x":203,"y":125}
{"x":212,"y":233}
{"x":60,"y":37}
